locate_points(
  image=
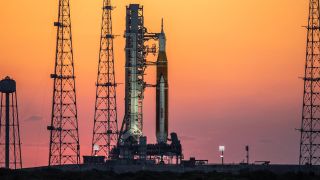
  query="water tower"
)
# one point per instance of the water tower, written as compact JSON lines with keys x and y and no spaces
{"x":10,"y":145}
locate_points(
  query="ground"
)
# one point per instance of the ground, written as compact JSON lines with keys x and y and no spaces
{"x":51,"y":174}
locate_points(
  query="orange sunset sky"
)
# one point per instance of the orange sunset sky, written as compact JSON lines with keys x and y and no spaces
{"x":234,"y":68}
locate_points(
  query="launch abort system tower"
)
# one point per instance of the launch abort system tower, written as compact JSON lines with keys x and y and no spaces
{"x":105,"y":131}
{"x":310,"y":125}
{"x":10,"y":145}
{"x":64,"y":136}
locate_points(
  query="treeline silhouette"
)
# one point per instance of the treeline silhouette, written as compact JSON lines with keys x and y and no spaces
{"x":53,"y":174}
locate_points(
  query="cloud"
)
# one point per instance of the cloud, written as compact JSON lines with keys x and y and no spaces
{"x":34,"y":118}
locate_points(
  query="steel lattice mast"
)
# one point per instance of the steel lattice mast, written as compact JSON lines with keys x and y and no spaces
{"x":105,"y":130}
{"x":310,"y":126}
{"x":64,"y":135}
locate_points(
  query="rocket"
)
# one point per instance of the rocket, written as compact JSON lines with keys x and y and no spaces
{"x":162,"y":91}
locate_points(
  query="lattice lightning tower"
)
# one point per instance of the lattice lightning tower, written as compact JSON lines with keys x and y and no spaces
{"x":310,"y":126}
{"x":105,"y":131}
{"x":64,"y":135}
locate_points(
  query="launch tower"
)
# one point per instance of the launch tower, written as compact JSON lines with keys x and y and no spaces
{"x":132,"y":126}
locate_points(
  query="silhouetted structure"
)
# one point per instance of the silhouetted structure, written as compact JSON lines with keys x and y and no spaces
{"x":132,"y":145}
{"x":10,"y":145}
{"x":105,"y":130}
{"x":64,"y":135}
{"x":132,"y":126}
{"x":247,"y":156}
{"x":310,"y":125}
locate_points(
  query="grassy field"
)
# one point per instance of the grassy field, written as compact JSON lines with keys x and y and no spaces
{"x":50,"y":174}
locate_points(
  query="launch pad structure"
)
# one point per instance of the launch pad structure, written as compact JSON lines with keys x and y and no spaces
{"x":132,"y":145}
{"x":109,"y":143}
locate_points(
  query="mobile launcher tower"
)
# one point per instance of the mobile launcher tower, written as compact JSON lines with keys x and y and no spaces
{"x":132,"y":144}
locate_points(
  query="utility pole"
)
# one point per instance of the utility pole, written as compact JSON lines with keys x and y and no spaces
{"x":247,"y":150}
